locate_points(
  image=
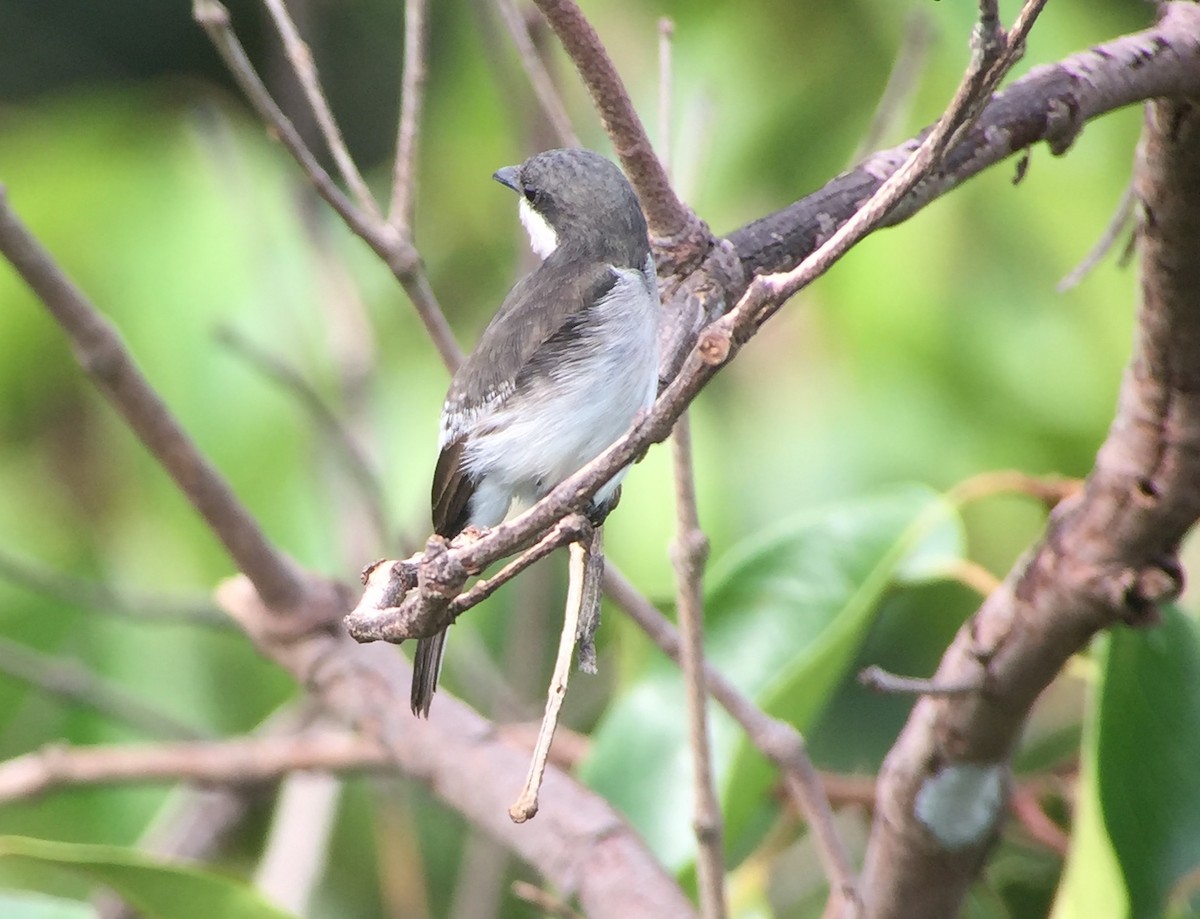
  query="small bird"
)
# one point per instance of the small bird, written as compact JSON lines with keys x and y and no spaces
{"x":564,"y":367}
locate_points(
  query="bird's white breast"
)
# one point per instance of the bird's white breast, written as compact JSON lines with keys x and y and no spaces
{"x":537,"y":438}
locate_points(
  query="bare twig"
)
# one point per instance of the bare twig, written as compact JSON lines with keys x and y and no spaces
{"x":901,"y":83}
{"x":412,"y":99}
{"x":767,"y":293}
{"x":300,"y":55}
{"x":539,"y":77}
{"x":70,"y":681}
{"x":1120,"y":220}
{"x":1051,"y":490}
{"x":103,"y":356}
{"x":972,"y":575}
{"x":102,"y":597}
{"x":666,"y":32}
{"x":1035,"y":821}
{"x":879,"y":680}
{"x":526,"y":805}
{"x":777,"y":740}
{"x":689,"y":554}
{"x":241,"y":761}
{"x":393,"y":248}
{"x":293,"y":382}
{"x":384,"y":613}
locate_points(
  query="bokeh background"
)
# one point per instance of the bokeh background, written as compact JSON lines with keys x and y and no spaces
{"x":937,"y":351}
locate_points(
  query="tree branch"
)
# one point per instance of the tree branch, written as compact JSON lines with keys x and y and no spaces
{"x":1048,"y":104}
{"x":777,"y":740}
{"x":102,"y":597}
{"x":689,"y":554}
{"x":582,"y":847}
{"x":672,"y":224}
{"x":392,"y":246}
{"x":299,"y":54}
{"x":539,"y":77}
{"x":412,"y":99}
{"x":1108,"y":555}
{"x":103,"y":356}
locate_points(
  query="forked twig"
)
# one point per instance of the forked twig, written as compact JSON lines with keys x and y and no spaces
{"x":299,"y":54}
{"x":526,"y":805}
{"x":393,"y":248}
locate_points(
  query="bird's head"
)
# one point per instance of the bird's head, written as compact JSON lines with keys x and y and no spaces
{"x":579,"y":199}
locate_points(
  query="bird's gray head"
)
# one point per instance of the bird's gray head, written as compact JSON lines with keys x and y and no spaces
{"x":578,"y":200}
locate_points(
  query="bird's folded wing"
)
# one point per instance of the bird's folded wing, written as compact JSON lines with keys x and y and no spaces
{"x":537,"y":324}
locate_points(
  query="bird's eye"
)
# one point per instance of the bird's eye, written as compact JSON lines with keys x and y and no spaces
{"x":531,"y":194}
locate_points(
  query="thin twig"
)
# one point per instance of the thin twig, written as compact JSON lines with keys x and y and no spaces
{"x":300,"y":55}
{"x":70,"y":681}
{"x":240,"y":761}
{"x":972,"y":575}
{"x":768,"y":292}
{"x":547,"y":93}
{"x":689,"y":554}
{"x":559,"y":536}
{"x":330,"y":426}
{"x":777,"y":740}
{"x":901,"y":82}
{"x":666,"y":32}
{"x":412,"y":100}
{"x":879,"y":680}
{"x":393,"y":249}
{"x":102,"y":354}
{"x":526,"y":805}
{"x":1120,"y":219}
{"x":99,"y":596}
{"x":1049,"y":489}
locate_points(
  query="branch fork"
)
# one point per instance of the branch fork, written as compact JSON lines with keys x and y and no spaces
{"x":419,"y":596}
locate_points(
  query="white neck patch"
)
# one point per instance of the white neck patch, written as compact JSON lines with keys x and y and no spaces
{"x":542,"y":238}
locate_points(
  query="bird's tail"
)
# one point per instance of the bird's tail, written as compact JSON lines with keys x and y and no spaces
{"x":426,"y":665}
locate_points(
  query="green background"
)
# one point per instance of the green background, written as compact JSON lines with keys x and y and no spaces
{"x":935,"y":351}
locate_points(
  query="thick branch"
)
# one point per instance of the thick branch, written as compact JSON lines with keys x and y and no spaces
{"x":1108,"y":555}
{"x":1051,"y":103}
{"x":580,"y":844}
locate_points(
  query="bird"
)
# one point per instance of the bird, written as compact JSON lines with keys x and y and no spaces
{"x":563,"y":369}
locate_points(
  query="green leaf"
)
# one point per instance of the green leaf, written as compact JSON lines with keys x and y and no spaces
{"x":1137,"y":832}
{"x":158,"y":890}
{"x":1148,"y":749}
{"x":785,"y":614}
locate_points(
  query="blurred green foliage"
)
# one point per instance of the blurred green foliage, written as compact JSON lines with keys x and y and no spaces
{"x":936,"y":351}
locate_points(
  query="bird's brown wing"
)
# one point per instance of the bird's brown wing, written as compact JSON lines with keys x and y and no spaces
{"x":535,"y":326}
{"x":452,"y":490}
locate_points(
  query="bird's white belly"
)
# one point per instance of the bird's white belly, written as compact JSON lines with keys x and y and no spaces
{"x":537,"y":439}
